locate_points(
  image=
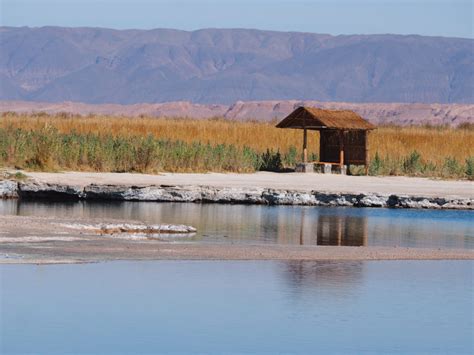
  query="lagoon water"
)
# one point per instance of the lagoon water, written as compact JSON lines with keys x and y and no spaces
{"x":279,"y":224}
{"x":238,"y":307}
{"x":248,"y":306}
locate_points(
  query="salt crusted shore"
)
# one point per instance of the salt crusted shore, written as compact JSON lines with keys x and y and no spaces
{"x":257,"y":188}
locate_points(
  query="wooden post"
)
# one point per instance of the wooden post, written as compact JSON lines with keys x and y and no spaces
{"x":341,"y":148}
{"x":366,"y":142}
{"x":305,"y":145}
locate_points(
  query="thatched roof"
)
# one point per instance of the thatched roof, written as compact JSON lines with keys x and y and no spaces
{"x":317,"y":119}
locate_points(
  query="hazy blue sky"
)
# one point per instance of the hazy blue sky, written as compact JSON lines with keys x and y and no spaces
{"x":427,"y":17}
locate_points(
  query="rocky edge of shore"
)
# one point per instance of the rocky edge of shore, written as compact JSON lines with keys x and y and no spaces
{"x":212,"y":194}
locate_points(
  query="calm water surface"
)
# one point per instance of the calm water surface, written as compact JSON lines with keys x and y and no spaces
{"x":238,"y":307}
{"x":280,"y":224}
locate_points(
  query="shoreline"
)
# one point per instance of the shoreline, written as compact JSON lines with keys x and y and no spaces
{"x":46,"y":240}
{"x":170,"y":251}
{"x":79,"y":254}
{"x":263,"y":188}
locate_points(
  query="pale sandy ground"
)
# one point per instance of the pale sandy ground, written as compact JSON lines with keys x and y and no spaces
{"x":397,"y":185}
{"x":45,"y":240}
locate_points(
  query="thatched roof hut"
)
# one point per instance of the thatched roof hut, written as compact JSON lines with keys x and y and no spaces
{"x":343,"y":133}
{"x":319,"y":119}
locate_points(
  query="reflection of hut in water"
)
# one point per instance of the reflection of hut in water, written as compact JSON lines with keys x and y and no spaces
{"x":333,"y":230}
{"x":342,"y":230}
{"x":322,"y":275}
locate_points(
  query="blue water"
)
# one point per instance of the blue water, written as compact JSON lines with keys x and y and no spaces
{"x":238,"y":307}
{"x":279,"y":224}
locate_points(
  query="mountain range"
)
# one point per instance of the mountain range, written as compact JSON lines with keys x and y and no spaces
{"x":222,"y":66}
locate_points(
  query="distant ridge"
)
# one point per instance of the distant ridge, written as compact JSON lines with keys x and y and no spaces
{"x":98,"y":65}
{"x":377,"y":113}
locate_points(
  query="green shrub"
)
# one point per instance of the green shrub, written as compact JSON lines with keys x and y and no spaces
{"x":375,"y":166}
{"x":271,"y":161}
{"x":469,"y":170}
{"x":451,"y":167}
{"x":291,"y":157}
{"x":412,"y":164}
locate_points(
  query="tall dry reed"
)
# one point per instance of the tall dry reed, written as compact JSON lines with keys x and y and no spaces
{"x":428,"y":151}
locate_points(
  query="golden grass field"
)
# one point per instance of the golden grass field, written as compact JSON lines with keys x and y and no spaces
{"x":434,"y":144}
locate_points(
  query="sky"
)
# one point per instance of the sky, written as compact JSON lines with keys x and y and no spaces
{"x":450,"y":18}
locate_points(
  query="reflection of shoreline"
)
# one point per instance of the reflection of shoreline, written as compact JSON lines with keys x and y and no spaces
{"x":276,"y":224}
{"x":335,"y":230}
{"x":80,"y":246}
{"x":236,"y":222}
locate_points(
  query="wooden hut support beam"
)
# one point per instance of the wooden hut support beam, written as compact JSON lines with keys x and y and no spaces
{"x":305,"y":145}
{"x":341,"y":148}
{"x":366,"y":143}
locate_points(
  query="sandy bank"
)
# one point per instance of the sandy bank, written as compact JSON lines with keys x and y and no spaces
{"x":47,"y":240}
{"x":94,"y":252}
{"x":257,"y":188}
{"x":398,"y":185}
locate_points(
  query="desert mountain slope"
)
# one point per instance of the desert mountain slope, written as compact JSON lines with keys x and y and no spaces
{"x":97,"y":65}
